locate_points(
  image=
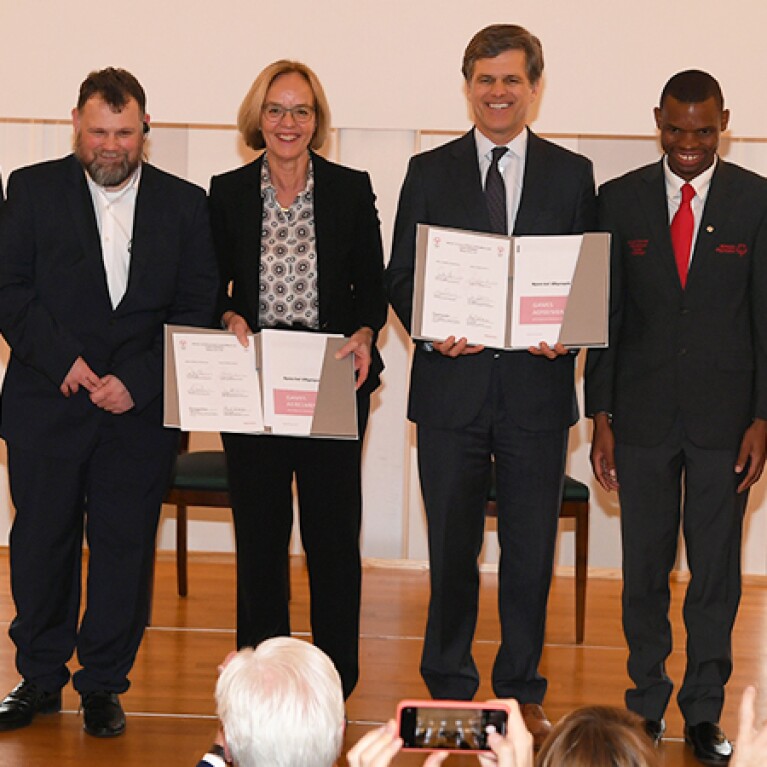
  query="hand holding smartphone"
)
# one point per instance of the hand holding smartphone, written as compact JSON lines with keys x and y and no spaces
{"x":450,"y":725}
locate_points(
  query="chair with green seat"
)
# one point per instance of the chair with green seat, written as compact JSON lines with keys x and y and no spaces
{"x":575,"y":505}
{"x":199,"y":479}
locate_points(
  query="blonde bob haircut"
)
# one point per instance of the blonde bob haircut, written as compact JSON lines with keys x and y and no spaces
{"x":249,"y":116}
{"x":598,"y":736}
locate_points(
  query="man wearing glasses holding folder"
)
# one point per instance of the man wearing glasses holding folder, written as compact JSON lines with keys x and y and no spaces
{"x":474,"y":406}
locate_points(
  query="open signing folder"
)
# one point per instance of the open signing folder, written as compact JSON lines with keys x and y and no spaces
{"x":285,"y":382}
{"x":511,"y":292}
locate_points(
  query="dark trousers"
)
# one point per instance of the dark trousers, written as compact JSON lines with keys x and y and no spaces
{"x":114,"y":496}
{"x":454,"y":467}
{"x":659,"y":487}
{"x":327,"y":474}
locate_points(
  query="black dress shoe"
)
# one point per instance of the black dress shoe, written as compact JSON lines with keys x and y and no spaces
{"x":103,"y":716}
{"x":709,"y":743}
{"x":19,"y":707}
{"x":655,"y":729}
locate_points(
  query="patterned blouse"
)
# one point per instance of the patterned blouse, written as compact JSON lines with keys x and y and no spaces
{"x":288,"y":292}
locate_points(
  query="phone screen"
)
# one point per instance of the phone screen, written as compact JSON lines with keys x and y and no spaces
{"x":457,"y":729}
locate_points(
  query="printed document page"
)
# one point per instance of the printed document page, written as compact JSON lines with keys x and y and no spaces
{"x":543,"y":274}
{"x":292,"y":365}
{"x":466,"y":287}
{"x":218,"y":388}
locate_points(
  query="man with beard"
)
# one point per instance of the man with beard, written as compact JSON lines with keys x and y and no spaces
{"x":97,"y":250}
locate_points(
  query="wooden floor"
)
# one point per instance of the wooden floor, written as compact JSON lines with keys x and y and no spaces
{"x":170,"y":704}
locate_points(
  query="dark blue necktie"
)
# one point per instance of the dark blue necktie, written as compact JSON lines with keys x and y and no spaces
{"x":495,"y":194}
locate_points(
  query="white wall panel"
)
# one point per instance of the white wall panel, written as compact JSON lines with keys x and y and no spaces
{"x":614,"y":157}
{"x":214,"y":151}
{"x":384,"y":154}
{"x":168,"y":146}
{"x":384,"y":65}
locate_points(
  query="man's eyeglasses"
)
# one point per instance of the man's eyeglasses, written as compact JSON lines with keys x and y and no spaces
{"x":275,"y":112}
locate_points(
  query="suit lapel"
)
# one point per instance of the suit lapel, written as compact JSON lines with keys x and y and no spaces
{"x":328,"y":202}
{"x":81,"y":211}
{"x":534,"y":185}
{"x":719,"y":201}
{"x":250,"y":219}
{"x":146,"y":224}
{"x":654,"y":204}
{"x":467,"y":180}
{"x":83,"y":216}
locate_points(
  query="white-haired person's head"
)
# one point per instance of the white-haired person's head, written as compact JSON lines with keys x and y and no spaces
{"x":281,"y":704}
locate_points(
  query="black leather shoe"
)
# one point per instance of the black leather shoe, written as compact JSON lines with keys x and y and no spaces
{"x":19,"y":707}
{"x":709,"y":743}
{"x":655,"y":729}
{"x":103,"y":716}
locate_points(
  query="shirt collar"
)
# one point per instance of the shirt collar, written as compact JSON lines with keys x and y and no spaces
{"x":700,"y":183}
{"x":517,"y":146}
{"x":107,"y":195}
{"x":268,"y":190}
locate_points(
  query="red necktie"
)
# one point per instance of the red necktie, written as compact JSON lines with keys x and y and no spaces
{"x":681,"y":233}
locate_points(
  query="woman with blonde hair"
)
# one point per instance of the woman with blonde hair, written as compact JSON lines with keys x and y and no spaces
{"x":299,"y":248}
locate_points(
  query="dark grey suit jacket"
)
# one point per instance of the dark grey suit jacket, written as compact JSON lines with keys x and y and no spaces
{"x":55,"y":306}
{"x":698,"y":353}
{"x":443,"y":187}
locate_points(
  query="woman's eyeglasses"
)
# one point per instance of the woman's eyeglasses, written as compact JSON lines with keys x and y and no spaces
{"x":275,"y":112}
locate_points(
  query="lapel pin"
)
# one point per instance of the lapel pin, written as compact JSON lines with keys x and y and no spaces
{"x":709,"y":228}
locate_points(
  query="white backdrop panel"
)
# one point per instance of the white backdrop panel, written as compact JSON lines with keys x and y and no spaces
{"x":392,"y":64}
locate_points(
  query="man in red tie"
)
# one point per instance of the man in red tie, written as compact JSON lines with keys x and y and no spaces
{"x":679,"y":399}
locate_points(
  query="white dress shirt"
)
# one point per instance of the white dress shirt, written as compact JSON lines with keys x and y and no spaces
{"x":700,"y":184}
{"x":114,"y":215}
{"x":511,"y":167}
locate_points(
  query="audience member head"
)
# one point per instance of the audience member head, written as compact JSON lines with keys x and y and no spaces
{"x":598,"y":736}
{"x":281,"y":704}
{"x":251,"y":110}
{"x":496,"y":39}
